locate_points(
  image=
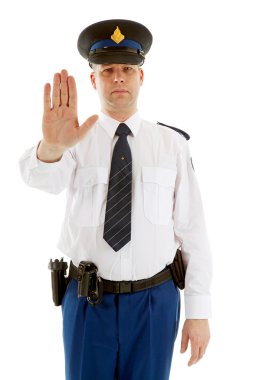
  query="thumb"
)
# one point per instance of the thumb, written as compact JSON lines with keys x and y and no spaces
{"x":87,"y":125}
{"x":184,"y":342}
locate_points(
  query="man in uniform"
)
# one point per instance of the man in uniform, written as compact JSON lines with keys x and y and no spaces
{"x":133,"y":201}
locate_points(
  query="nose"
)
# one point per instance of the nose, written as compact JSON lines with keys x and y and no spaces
{"x":118,"y":76}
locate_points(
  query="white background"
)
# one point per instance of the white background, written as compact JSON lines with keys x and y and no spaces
{"x":199,"y":77}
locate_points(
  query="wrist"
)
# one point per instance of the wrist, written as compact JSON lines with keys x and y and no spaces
{"x":48,"y":152}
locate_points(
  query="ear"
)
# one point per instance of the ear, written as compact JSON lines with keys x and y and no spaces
{"x":93,"y":80}
{"x":141,"y":75}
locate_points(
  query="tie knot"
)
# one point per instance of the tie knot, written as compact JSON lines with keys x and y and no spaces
{"x":123,"y":129}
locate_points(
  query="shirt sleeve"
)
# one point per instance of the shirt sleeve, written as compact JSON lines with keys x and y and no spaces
{"x":190,"y":231}
{"x":50,"y":177}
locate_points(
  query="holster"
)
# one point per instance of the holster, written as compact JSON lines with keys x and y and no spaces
{"x":58,"y":279}
{"x":178,"y":270}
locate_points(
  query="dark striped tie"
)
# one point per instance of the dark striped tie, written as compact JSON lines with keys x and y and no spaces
{"x":117,"y":228}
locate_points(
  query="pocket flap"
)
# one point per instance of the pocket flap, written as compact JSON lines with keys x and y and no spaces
{"x":161,"y":176}
{"x":90,"y":176}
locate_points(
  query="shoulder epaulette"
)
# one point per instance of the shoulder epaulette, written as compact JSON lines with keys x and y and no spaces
{"x":183,"y":133}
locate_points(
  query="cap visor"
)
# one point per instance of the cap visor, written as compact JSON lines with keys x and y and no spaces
{"x":116,"y":57}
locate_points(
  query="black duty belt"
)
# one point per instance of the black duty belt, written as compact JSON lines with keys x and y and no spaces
{"x":119,"y":287}
{"x":92,"y":286}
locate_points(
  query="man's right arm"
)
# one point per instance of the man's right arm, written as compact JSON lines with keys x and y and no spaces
{"x":49,"y":166}
{"x":50,"y":175}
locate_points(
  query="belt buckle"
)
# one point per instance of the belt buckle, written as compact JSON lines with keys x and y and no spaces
{"x":125,"y":287}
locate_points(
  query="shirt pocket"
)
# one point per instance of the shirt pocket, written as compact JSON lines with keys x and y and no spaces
{"x":158,"y":194}
{"x":89,"y":196}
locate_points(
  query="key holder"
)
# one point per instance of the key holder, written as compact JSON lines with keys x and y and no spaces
{"x":90,"y":285}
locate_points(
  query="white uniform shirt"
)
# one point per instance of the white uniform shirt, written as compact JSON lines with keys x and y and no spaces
{"x":166,"y":206}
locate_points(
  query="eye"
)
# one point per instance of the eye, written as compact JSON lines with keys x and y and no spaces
{"x":128,"y":68}
{"x":107,"y":70}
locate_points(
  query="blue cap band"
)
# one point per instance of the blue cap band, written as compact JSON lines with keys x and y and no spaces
{"x":108,"y":43}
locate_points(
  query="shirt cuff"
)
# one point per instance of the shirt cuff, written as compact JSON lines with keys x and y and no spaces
{"x":47,"y":166}
{"x":197,"y":307}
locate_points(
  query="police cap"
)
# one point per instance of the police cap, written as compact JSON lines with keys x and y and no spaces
{"x":115,"y":41}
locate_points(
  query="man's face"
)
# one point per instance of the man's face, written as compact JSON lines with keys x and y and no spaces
{"x":118,"y":87}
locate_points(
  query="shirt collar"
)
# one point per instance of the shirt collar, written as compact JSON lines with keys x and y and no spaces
{"x":110,"y":125}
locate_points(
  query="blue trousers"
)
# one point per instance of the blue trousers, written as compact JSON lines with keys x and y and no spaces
{"x":126,"y":337}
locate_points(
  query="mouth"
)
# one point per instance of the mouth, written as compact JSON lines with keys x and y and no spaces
{"x":119,"y":91}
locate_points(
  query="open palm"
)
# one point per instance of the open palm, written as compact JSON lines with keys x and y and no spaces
{"x":60,"y":123}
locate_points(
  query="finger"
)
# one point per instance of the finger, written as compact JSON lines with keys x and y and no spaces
{"x":56,"y":90}
{"x":195,"y":351}
{"x":202,"y":352}
{"x":64,"y":88}
{"x":83,"y":129}
{"x":72,"y":92}
{"x":184,"y":343}
{"x":47,"y":98}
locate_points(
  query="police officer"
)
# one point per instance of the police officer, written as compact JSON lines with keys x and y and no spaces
{"x":133,"y":201}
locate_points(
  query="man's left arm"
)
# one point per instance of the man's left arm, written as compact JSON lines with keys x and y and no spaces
{"x":190,"y":231}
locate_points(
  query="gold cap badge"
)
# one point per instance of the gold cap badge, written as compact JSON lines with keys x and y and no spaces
{"x":117,"y":36}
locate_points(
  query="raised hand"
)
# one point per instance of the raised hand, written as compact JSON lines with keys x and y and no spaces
{"x":61,"y":129}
